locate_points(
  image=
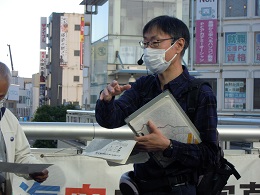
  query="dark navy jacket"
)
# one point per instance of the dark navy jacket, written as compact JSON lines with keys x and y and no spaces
{"x":187,"y":157}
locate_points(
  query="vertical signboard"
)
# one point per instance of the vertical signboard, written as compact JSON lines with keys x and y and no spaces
{"x":43,"y":33}
{"x":206,"y":41}
{"x":235,"y":47}
{"x":81,"y":42}
{"x":257,"y":47}
{"x":42,"y":95}
{"x":42,"y":62}
{"x":63,"y":40}
{"x":206,"y":32}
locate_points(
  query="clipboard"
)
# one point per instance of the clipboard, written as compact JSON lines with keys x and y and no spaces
{"x":169,"y":117}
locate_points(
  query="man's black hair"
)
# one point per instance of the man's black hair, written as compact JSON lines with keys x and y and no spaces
{"x":172,"y":26}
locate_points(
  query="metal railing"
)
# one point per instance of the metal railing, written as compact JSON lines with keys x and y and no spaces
{"x":89,"y":131}
{"x":81,"y":125}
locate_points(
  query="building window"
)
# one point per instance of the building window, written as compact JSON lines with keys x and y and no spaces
{"x":236,"y":8}
{"x":76,"y":79}
{"x":76,"y":52}
{"x":256,"y":94}
{"x":235,"y":47}
{"x":93,"y":99}
{"x":11,"y":105}
{"x":77,"y":27}
{"x":257,"y":7}
{"x":257,"y":47}
{"x":235,"y":94}
{"x":22,"y":99}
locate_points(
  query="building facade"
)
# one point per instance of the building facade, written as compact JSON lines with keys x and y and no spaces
{"x":62,"y":79}
{"x":19,"y":96}
{"x":236,"y":73}
{"x":116,"y":29}
{"x":224,"y":49}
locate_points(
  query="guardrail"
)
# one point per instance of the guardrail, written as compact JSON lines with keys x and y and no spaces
{"x":89,"y":131}
{"x":85,"y":168}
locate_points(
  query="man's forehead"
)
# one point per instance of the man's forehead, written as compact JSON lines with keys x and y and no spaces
{"x":154,"y":34}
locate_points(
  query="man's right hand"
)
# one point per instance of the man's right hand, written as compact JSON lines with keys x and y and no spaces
{"x":113,"y":89}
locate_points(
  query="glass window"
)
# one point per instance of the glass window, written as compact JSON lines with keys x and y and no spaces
{"x":257,"y":47}
{"x":235,"y":47}
{"x":256,"y":94}
{"x":257,"y":7}
{"x":236,"y":8}
{"x":235,"y":93}
{"x":76,"y":79}
{"x":76,"y":52}
{"x":99,"y":31}
{"x":77,"y":27}
{"x":11,"y":105}
{"x":93,"y":99}
{"x":22,"y":99}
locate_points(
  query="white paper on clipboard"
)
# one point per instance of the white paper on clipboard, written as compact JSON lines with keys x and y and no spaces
{"x":169,"y":117}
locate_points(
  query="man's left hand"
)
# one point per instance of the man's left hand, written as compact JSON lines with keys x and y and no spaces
{"x":155,"y":141}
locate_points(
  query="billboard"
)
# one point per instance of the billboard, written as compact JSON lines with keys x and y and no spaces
{"x":235,"y":47}
{"x":257,"y":47}
{"x":206,"y":10}
{"x":13,"y":93}
{"x":81,"y":42}
{"x":43,"y":33}
{"x":42,"y":62}
{"x":206,"y":32}
{"x":42,"y":95}
{"x":63,"y":40}
{"x":206,"y":41}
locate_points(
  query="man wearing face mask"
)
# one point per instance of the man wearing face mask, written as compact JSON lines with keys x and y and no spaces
{"x":14,"y":146}
{"x":165,"y":40}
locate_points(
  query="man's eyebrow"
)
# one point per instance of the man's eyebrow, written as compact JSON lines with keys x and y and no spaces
{"x":155,"y":37}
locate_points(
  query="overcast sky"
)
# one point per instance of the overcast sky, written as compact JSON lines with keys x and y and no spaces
{"x":20,"y":28}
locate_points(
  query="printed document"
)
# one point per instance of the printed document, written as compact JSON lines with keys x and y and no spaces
{"x":169,"y":117}
{"x":115,"y":151}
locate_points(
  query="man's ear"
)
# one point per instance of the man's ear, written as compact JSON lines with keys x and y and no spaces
{"x":179,"y":45}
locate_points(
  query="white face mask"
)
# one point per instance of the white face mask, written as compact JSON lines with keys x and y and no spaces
{"x":154,"y":59}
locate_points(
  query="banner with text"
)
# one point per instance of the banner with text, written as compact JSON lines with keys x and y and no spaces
{"x":235,"y":47}
{"x":77,"y":174}
{"x":206,"y":41}
{"x":43,"y":35}
{"x":257,"y":47}
{"x":63,"y":40}
{"x":206,"y":32}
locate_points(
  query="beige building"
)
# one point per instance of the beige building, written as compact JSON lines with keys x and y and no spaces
{"x":64,"y":73}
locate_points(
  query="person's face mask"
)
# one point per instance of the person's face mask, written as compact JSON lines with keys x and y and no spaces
{"x":154,"y":59}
